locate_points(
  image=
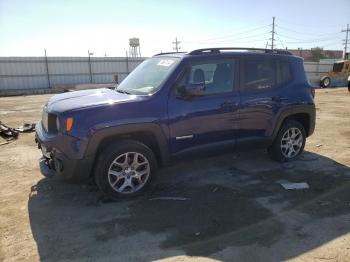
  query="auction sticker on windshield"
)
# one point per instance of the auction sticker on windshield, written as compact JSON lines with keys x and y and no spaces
{"x":165,"y":62}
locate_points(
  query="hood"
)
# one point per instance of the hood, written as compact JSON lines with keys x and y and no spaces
{"x":87,"y":98}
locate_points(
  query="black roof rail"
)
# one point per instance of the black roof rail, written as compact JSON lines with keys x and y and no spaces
{"x":217,"y":50}
{"x":169,"y":53}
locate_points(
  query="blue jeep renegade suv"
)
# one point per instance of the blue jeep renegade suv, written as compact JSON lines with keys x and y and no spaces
{"x":175,"y":104}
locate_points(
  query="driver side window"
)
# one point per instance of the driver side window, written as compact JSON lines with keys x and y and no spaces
{"x":218,"y":76}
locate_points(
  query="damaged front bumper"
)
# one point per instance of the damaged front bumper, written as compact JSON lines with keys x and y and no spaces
{"x":55,"y":163}
{"x":46,"y":168}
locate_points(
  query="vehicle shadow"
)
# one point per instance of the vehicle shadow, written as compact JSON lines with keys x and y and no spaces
{"x":230,"y":208}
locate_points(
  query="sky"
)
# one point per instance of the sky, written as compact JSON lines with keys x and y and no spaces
{"x":72,"y":27}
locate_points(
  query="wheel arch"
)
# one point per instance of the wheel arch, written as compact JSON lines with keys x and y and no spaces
{"x":304,"y":114}
{"x":302,"y":118}
{"x":149,"y":134}
{"x":145,"y":137}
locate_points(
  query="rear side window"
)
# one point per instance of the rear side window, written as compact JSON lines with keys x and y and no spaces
{"x":283,"y":72}
{"x":258,"y":74}
{"x":261,"y":74}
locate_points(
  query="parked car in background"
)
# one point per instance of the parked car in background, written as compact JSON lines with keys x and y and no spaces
{"x":177,"y":105}
{"x":338,"y":76}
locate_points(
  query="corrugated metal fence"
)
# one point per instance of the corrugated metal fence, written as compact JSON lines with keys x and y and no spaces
{"x":41,"y":72}
{"x":315,"y":70}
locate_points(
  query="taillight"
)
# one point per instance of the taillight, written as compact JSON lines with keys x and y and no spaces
{"x":313,"y":92}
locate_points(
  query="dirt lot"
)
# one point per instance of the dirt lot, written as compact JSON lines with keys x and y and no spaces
{"x":236,"y":211}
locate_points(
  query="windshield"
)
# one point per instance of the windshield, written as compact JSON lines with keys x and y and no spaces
{"x":148,"y":77}
{"x":337,"y":67}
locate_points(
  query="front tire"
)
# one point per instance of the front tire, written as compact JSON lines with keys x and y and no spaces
{"x":289,"y":142}
{"x":125,"y":169}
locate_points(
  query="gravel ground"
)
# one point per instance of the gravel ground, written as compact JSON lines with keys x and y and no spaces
{"x":236,"y":210}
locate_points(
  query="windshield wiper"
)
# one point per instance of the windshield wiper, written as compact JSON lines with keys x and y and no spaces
{"x":122,"y":91}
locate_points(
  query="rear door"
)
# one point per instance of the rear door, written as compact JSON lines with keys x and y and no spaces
{"x":264,"y":80}
{"x":208,"y":119}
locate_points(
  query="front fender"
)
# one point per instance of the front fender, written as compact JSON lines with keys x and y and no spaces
{"x":97,"y":136}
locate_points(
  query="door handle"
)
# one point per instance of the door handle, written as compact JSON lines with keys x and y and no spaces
{"x":226,"y":104}
{"x":278,"y":98}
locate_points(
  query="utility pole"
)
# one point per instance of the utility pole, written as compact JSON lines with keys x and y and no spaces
{"x":127,"y":62}
{"x":273,"y":33}
{"x":89,"y":61}
{"x":346,"y":40}
{"x":177,"y":47}
{"x":47,"y":70}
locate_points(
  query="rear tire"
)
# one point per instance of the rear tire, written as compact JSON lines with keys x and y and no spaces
{"x":289,"y":142}
{"x":125,"y":169}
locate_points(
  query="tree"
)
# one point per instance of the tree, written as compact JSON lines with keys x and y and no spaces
{"x":317,"y":54}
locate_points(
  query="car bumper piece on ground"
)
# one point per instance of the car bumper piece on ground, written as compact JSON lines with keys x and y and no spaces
{"x":45,"y":168}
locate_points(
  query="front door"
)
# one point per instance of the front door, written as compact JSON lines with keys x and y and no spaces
{"x":210,"y":118}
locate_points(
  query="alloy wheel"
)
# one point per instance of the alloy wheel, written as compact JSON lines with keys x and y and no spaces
{"x":292,"y":142}
{"x":128,"y":172}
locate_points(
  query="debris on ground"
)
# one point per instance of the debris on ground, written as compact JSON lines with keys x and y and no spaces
{"x":319,"y":145}
{"x":290,"y":185}
{"x":26,"y":128}
{"x":9,"y":133}
{"x":170,"y":198}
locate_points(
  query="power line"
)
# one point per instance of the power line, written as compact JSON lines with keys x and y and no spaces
{"x":224,"y":34}
{"x":233,"y":39}
{"x":308,"y":41}
{"x":232,"y":35}
{"x":329,"y":44}
{"x":282,"y":43}
{"x":273,"y":37}
{"x":305,"y":40}
{"x":284,"y":21}
{"x":305,"y":33}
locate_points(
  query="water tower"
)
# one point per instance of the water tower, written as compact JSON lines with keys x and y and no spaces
{"x":134,"y":49}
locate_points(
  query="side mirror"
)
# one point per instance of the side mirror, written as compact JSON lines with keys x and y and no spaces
{"x":195,"y":89}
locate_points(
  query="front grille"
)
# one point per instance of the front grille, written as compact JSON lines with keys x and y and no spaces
{"x":49,"y":122}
